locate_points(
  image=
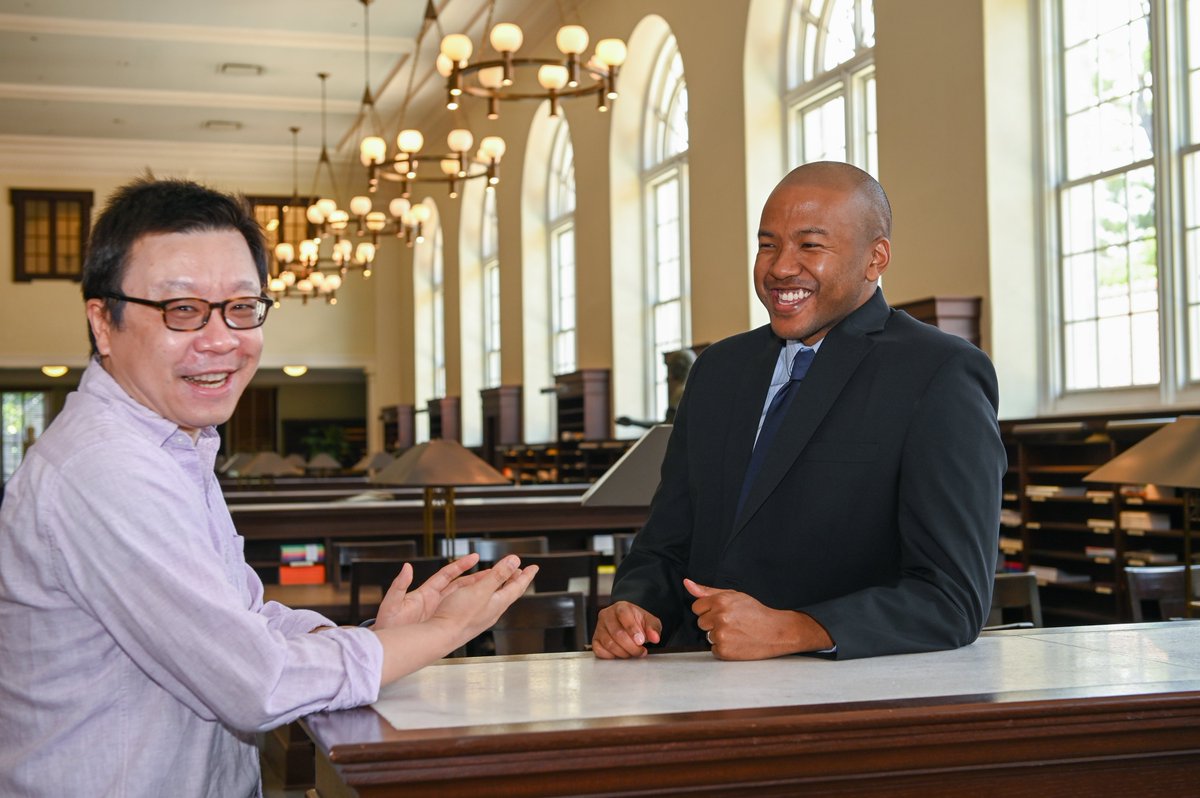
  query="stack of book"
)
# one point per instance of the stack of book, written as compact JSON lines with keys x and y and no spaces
{"x":1048,"y":575}
{"x":302,"y":564}
{"x":1144,"y":520}
{"x":1035,"y":491}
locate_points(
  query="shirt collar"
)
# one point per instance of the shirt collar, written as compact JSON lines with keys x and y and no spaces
{"x":98,"y":383}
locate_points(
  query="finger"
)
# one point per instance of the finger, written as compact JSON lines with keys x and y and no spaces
{"x":630,"y":621}
{"x":402,"y":581}
{"x":505,"y":569}
{"x":698,"y":590}
{"x":446,"y":575}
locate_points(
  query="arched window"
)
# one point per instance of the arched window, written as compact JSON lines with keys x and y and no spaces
{"x":1125,"y":241}
{"x":831,"y":83}
{"x":489,"y":251}
{"x":560,"y":215}
{"x":664,"y":181}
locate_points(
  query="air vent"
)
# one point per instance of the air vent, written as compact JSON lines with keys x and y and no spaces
{"x":221,"y":125}
{"x":249,"y":70}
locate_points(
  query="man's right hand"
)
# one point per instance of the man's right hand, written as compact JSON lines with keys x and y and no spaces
{"x":622,"y":631}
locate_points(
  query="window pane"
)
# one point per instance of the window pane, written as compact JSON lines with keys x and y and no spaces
{"x":839,"y":44}
{"x":824,"y":131}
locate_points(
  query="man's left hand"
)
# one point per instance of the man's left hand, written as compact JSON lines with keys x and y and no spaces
{"x":739,"y":627}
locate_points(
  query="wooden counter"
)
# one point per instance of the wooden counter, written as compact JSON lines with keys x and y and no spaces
{"x":1104,"y":710}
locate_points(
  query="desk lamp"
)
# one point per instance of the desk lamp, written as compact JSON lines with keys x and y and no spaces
{"x":1170,"y":456}
{"x":438,"y":466}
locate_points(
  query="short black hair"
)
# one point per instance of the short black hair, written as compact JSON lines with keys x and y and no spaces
{"x":148,"y":206}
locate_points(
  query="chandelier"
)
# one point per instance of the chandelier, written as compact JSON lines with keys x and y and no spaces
{"x":303,"y":271}
{"x":498,"y":80}
{"x":455,"y":165}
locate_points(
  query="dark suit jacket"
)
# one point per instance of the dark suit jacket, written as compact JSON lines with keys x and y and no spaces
{"x":876,"y":510}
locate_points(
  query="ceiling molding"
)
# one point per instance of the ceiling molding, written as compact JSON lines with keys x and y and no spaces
{"x":125,"y":157}
{"x":173,"y":97}
{"x":198,"y":34}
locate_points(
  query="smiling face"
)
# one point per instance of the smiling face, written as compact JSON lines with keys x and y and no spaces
{"x":821,"y":249}
{"x":191,"y":378}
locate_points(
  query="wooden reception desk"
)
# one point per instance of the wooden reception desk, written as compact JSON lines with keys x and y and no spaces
{"x":1089,"y":710}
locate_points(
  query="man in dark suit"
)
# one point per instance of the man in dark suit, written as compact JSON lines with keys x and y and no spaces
{"x":853,"y":511}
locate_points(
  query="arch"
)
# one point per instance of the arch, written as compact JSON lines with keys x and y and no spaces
{"x":429,"y":330}
{"x":471,"y":259}
{"x":538,"y":408}
{"x":632,"y":395}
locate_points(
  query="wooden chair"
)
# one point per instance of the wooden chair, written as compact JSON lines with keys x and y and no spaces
{"x":622,"y":543}
{"x":526,"y":625}
{"x":1159,"y":589}
{"x":1013,"y":592}
{"x":556,"y":569}
{"x":492,"y":549}
{"x":381,"y":572}
{"x":345,"y":551}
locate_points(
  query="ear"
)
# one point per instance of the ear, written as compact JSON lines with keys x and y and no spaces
{"x":881,"y":256}
{"x":101,"y":324}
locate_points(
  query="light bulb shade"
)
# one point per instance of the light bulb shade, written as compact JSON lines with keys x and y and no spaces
{"x":611,"y":52}
{"x":284,"y":252}
{"x":492,"y":77}
{"x":421,"y":213}
{"x":289,"y":278}
{"x":276,"y":285}
{"x":444,"y":65}
{"x":360,"y":205}
{"x":506,"y":37}
{"x":339,"y":219}
{"x":333,"y":282}
{"x":295,"y":371}
{"x":492,"y":148}
{"x":449,"y":166}
{"x":365,"y":252}
{"x":316,"y":278}
{"x":456,"y":47}
{"x":308,"y":250}
{"x":571,"y":39}
{"x":399,"y":206}
{"x":342,"y":251}
{"x":552,"y":76}
{"x":410,"y":140}
{"x":376,"y":221}
{"x":460,"y":140}
{"x":304,"y":286}
{"x":314,"y":214}
{"x":327,"y":206}
{"x":372,"y":150}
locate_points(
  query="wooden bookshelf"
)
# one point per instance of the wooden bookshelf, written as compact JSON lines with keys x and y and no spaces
{"x":1080,"y":535}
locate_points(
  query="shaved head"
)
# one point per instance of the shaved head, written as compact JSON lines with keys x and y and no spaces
{"x":872,"y":201}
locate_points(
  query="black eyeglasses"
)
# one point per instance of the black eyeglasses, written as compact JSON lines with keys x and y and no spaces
{"x":188,"y":314}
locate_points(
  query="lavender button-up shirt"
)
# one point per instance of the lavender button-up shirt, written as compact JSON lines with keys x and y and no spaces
{"x":137,"y":657}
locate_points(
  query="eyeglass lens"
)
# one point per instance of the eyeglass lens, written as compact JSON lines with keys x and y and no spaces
{"x":191,"y":314}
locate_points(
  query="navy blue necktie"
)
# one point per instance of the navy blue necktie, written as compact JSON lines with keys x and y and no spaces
{"x":775,"y":413}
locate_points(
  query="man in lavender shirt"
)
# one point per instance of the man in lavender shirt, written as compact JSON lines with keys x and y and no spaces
{"x":137,"y":657}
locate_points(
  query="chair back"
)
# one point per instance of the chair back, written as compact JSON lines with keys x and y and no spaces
{"x":493,"y":549}
{"x":524,"y":626}
{"x":1156,"y":591}
{"x":345,"y":551}
{"x":556,"y":569}
{"x":381,"y":572}
{"x":1015,"y":592}
{"x":622,"y":543}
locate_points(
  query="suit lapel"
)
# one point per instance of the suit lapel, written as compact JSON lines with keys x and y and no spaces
{"x":843,"y":349}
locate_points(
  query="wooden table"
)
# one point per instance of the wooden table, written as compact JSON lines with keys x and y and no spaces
{"x":1107,"y":710}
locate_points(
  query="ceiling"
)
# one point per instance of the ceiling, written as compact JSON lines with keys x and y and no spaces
{"x":219,"y":72}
